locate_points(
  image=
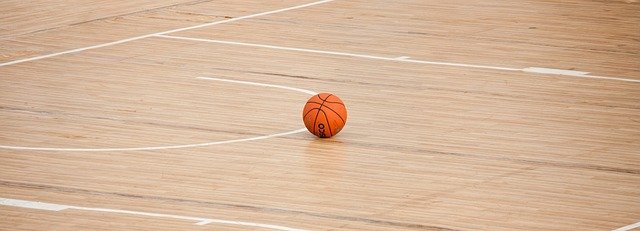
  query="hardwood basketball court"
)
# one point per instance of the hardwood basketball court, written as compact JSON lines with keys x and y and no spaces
{"x":186,"y":115}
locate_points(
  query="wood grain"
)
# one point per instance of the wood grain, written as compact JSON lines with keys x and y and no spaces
{"x":426,"y":147}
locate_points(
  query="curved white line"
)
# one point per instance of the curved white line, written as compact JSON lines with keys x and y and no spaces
{"x":185,"y":145}
{"x":152,"y":148}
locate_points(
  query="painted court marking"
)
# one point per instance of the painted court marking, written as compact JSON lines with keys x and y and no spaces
{"x":204,"y":221}
{"x":399,"y":59}
{"x":161,"y":33}
{"x":628,"y":227}
{"x":185,"y":145}
{"x":538,"y":70}
{"x":199,"y":220}
{"x":260,"y":84}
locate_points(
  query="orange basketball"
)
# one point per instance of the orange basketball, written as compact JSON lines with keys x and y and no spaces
{"x":324,"y":115}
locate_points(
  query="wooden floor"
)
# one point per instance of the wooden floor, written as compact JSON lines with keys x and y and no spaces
{"x":186,"y":115}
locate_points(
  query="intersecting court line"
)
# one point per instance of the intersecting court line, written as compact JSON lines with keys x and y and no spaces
{"x":161,"y":33}
{"x":200,"y":221}
{"x":406,"y":59}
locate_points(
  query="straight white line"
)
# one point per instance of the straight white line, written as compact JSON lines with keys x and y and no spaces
{"x":398,"y":59}
{"x":580,"y":74}
{"x":460,"y":65}
{"x":628,"y":227}
{"x":32,"y":204}
{"x":260,"y":84}
{"x":199,"y":220}
{"x":204,"y":222}
{"x":609,"y":78}
{"x":161,"y":33}
{"x":537,"y":70}
{"x":275,"y":227}
{"x":74,"y":50}
{"x":543,"y":70}
{"x":147,"y":214}
{"x":276,"y":47}
{"x":245,"y":17}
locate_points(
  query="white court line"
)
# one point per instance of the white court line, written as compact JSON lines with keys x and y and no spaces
{"x":185,"y":145}
{"x":580,"y":74}
{"x":399,"y":59}
{"x":543,"y":70}
{"x":157,"y":34}
{"x":161,"y":33}
{"x":538,"y":70}
{"x":628,"y":227}
{"x":199,"y":220}
{"x":151,"y":148}
{"x":260,"y":84}
{"x":32,"y":204}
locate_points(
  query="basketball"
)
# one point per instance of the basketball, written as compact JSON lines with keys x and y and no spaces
{"x":324,"y":115}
